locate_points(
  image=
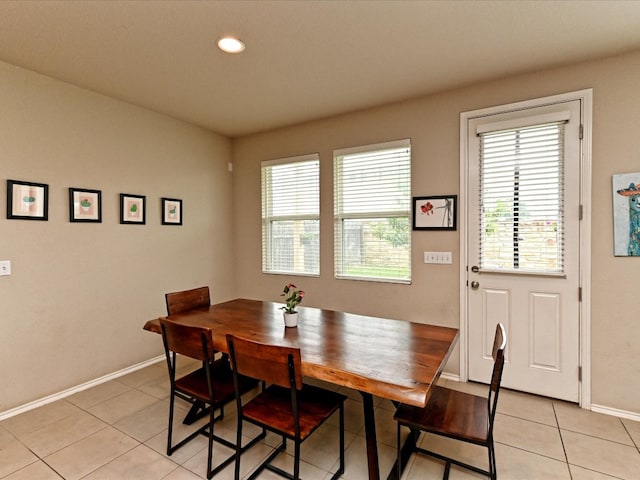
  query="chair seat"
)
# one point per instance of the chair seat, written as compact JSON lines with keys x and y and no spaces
{"x":450,"y":413}
{"x":194,"y":384}
{"x":272,"y":408}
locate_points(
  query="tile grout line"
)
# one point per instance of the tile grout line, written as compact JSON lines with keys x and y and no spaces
{"x":564,"y":448}
{"x":587,"y":435}
{"x":630,"y":436}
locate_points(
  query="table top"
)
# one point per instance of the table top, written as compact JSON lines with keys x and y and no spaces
{"x":393,"y":359}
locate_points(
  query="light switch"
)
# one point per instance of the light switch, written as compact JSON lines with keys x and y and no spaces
{"x":5,"y":267}
{"x":437,"y":257}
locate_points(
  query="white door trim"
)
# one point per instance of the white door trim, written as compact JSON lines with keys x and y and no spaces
{"x":586,"y":98}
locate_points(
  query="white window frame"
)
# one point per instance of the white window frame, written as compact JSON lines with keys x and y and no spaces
{"x":268,"y":216}
{"x":340,"y":216}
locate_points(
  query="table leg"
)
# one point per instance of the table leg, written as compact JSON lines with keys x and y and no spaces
{"x":196,"y":412}
{"x":370,"y":433}
{"x":372,"y":448}
{"x":405,"y":453}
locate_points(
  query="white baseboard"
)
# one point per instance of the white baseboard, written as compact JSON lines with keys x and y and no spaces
{"x":595,"y":408}
{"x":78,"y":388}
{"x":616,"y":412}
{"x":450,"y":376}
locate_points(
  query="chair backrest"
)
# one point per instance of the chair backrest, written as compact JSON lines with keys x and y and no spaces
{"x":274,"y":364}
{"x":189,"y":340}
{"x":187,"y":300}
{"x":499,"y":344}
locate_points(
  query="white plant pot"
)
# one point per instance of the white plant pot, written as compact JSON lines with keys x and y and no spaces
{"x":290,"y":319}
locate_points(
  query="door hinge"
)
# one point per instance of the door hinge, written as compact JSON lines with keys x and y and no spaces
{"x":579,"y":374}
{"x":580,"y":210}
{"x":581,"y":132}
{"x":579,"y":294}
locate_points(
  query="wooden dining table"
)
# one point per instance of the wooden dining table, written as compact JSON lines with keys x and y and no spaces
{"x":392,"y":359}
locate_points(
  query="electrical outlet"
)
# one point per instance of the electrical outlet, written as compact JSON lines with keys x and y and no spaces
{"x":5,"y":267}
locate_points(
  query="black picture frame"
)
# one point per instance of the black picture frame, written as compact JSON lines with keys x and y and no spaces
{"x":27,"y":200}
{"x":435,"y":212}
{"x":171,"y":211}
{"x":133,"y":209}
{"x":85,"y":205}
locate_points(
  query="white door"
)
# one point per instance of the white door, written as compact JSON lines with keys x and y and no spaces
{"x":523,"y":246}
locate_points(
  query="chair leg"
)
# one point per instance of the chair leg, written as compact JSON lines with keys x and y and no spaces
{"x":492,"y":460}
{"x":447,"y":469}
{"x":210,"y":454}
{"x":170,"y":427}
{"x":341,"y":471}
{"x":236,"y":474}
{"x":296,"y":460}
{"x":399,"y":452}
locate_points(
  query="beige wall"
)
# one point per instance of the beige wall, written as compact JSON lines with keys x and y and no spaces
{"x":74,"y":307}
{"x":433,"y":124}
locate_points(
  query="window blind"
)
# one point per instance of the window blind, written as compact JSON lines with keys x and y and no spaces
{"x":522,"y":199}
{"x":372,"y":206}
{"x":291,"y":215}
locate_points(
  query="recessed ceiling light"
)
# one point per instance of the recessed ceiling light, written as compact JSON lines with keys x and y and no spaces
{"x":231,"y":45}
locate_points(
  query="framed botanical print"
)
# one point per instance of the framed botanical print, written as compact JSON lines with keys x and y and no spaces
{"x":434,"y":212}
{"x":27,"y":200}
{"x":85,"y":205}
{"x":133,"y":209}
{"x":171,"y":211}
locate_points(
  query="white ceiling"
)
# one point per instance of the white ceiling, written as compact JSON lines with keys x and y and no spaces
{"x":304,"y":59}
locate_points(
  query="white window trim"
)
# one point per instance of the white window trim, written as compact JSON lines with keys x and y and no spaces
{"x":270,"y":218}
{"x":338,"y":217}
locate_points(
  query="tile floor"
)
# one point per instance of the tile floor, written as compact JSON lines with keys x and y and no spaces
{"x":117,"y":430}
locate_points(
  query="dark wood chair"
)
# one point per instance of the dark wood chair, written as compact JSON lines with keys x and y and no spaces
{"x":212,"y":384}
{"x":178,"y":302}
{"x":458,"y":415}
{"x":287,"y":407}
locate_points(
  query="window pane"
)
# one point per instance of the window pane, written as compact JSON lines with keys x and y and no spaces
{"x":376,"y":182}
{"x":521,"y":182}
{"x":295,"y":189}
{"x":295,"y":246}
{"x":376,"y":248}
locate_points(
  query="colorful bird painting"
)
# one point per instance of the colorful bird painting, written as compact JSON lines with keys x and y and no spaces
{"x":633,"y":193}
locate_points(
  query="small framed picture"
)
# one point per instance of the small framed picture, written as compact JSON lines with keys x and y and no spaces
{"x":435,"y":212}
{"x":27,"y":200}
{"x":85,"y":205}
{"x":133,"y":208}
{"x":626,"y":214}
{"x":171,"y":211}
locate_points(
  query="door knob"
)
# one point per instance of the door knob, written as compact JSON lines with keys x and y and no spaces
{"x":475,"y":285}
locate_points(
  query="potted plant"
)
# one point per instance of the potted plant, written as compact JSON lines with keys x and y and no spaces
{"x":29,"y":202}
{"x":292,"y":297}
{"x":85,"y":204}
